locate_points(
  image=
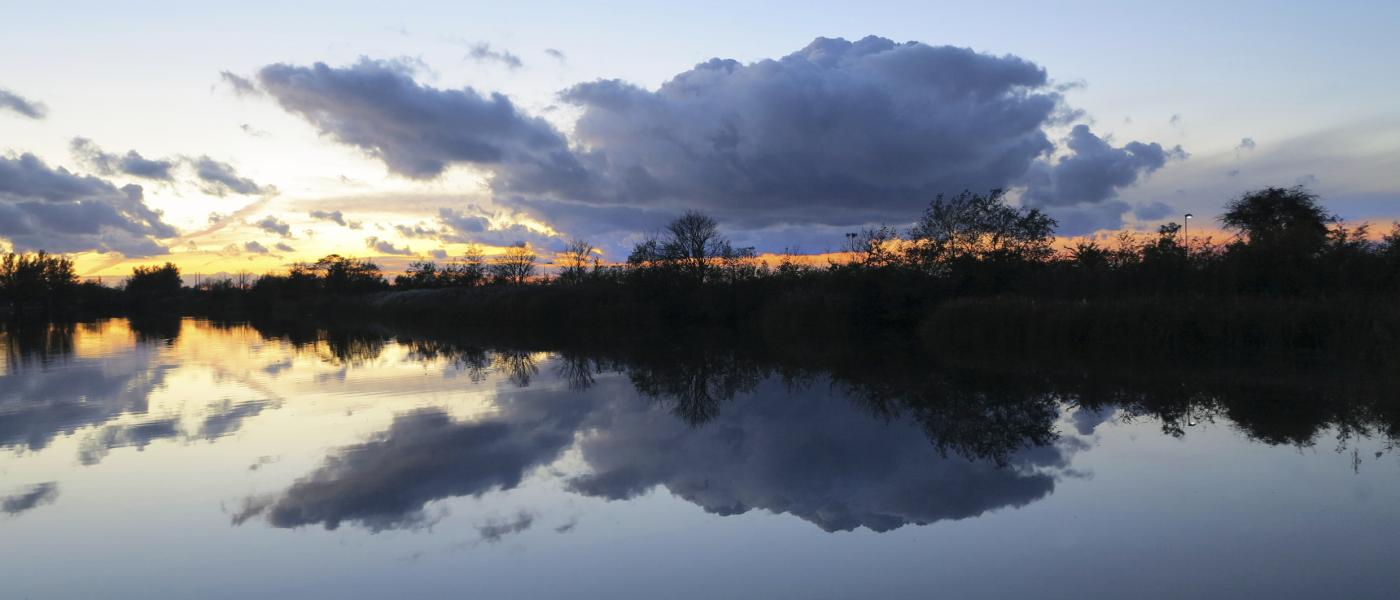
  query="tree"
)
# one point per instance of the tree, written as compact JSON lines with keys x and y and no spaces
{"x":575,"y":260}
{"x":1279,"y":221}
{"x":341,"y":274}
{"x":39,"y":277}
{"x":691,"y":241}
{"x":162,"y":281}
{"x":979,"y":228}
{"x":516,"y":266}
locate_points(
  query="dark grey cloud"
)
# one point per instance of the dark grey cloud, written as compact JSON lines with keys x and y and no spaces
{"x":483,"y":52}
{"x":254,"y":247}
{"x":1076,"y":188}
{"x":21,"y":105}
{"x":416,"y":130}
{"x":1152,"y":211}
{"x":274,"y":225}
{"x":221,"y":179}
{"x":494,"y":530}
{"x":838,"y":133}
{"x":59,"y":211}
{"x":131,"y":163}
{"x":385,"y":247}
{"x":240,"y":85}
{"x":31,"y":497}
{"x":282,"y":247}
{"x":425,"y":455}
{"x":334,"y":216}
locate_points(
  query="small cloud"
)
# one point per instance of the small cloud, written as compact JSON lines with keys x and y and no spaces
{"x":556,"y":54}
{"x":131,"y":163}
{"x":495,"y":529}
{"x":253,"y":131}
{"x":34,"y":496}
{"x":220,"y":178}
{"x":241,"y":86}
{"x":567,"y":527}
{"x":438,"y":253}
{"x":384,"y":247}
{"x":333,"y":216}
{"x":1232,"y":173}
{"x":21,"y":105}
{"x":483,"y":52}
{"x":283,"y":247}
{"x":254,"y":248}
{"x":272,"y":224}
{"x":1175,"y":120}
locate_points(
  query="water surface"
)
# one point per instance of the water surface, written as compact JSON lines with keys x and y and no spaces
{"x":194,"y":459}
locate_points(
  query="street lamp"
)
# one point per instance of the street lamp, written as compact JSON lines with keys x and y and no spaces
{"x":1186,"y":233}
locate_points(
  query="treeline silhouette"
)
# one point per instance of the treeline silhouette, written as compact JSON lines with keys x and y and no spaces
{"x":974,"y":272}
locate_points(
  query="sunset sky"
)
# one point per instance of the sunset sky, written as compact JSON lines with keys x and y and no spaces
{"x":249,"y":136}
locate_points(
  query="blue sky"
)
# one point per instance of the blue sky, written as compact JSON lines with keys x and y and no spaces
{"x":1312,"y":86}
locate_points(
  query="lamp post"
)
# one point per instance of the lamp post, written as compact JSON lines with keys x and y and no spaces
{"x":1186,"y":233}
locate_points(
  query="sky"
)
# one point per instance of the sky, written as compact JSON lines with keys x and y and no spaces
{"x":246,"y":137}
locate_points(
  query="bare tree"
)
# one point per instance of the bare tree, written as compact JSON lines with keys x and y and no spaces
{"x":691,"y":241}
{"x":516,"y":266}
{"x":575,"y":260}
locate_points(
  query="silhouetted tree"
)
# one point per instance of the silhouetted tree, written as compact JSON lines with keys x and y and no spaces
{"x":979,"y":227}
{"x":37,"y":278}
{"x":162,"y":281}
{"x":576,"y":259}
{"x":340,"y":274}
{"x":515,"y":266}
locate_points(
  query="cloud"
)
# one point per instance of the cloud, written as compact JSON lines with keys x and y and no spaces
{"x":253,"y":131}
{"x":334,"y":216}
{"x":1174,"y":120}
{"x":25,"y":107}
{"x":1152,"y":211}
{"x":1246,"y":144}
{"x":131,"y":163}
{"x":220,"y":178}
{"x":438,"y":253}
{"x":254,"y":247}
{"x":1081,"y":182}
{"x":35,"y":496}
{"x":495,"y":529}
{"x":417,"y":131}
{"x":384,"y":247}
{"x":555,"y":54}
{"x":483,"y":52}
{"x":459,"y":227}
{"x":281,"y":247}
{"x":241,"y":86}
{"x":425,"y":455}
{"x":56,"y":210}
{"x":838,"y":133}
{"x":274,"y":225}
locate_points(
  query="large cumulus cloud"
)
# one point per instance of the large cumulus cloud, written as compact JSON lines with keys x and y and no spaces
{"x":48,"y":208}
{"x":838,"y":134}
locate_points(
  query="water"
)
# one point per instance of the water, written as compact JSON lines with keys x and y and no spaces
{"x":190,"y":459}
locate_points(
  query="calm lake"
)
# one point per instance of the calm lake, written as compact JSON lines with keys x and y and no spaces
{"x":192,"y":459}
